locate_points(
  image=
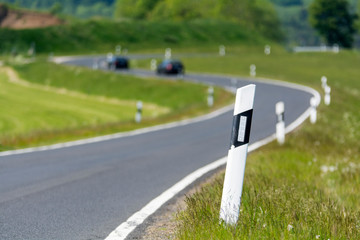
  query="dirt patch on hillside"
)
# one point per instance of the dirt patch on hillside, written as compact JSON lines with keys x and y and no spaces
{"x":21,"y":19}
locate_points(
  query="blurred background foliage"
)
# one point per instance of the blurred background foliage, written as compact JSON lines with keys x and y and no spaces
{"x":280,"y":20}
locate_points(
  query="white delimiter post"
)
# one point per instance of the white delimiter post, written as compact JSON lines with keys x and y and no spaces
{"x":153,"y":64}
{"x":252,"y":70}
{"x":168,"y":53}
{"x":118,"y":50}
{"x":327,"y":95}
{"x":139,"y":106}
{"x":313,"y":113}
{"x":222,"y":51}
{"x":267,"y":50}
{"x":323,"y":82}
{"x":235,"y":168}
{"x":280,"y":125}
{"x":210,"y":98}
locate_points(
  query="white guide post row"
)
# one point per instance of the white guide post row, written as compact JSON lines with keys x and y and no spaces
{"x":235,"y":167}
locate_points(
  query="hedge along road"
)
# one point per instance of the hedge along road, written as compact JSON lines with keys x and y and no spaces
{"x":84,"y":190}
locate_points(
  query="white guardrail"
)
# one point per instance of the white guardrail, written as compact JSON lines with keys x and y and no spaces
{"x":334,"y":49}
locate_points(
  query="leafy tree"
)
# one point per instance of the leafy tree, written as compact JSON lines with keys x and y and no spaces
{"x":255,"y":14}
{"x":144,"y":7}
{"x":125,"y":9}
{"x":56,"y":8}
{"x":137,"y":9}
{"x":333,"y":20}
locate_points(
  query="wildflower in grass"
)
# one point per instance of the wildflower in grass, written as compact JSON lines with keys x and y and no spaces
{"x":317,"y":236}
{"x":326,"y":169}
{"x":289,"y":227}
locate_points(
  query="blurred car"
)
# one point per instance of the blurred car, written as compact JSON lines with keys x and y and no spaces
{"x":117,"y":62}
{"x":170,"y":67}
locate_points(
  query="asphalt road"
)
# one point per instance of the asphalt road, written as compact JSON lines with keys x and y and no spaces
{"x":86,"y":191}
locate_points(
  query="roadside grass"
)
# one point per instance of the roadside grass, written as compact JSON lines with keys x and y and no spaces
{"x":57,"y":103}
{"x":309,"y":188}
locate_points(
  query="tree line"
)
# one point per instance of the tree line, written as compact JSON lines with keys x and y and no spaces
{"x":334,"y":20}
{"x":258,"y":15}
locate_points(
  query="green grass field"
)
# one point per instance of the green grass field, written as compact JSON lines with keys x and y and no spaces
{"x":55,"y":103}
{"x":307,"y":188}
{"x":46,"y":108}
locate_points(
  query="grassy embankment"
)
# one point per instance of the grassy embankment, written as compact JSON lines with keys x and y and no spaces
{"x":101,"y":36}
{"x":172,"y":100}
{"x":309,"y":187}
{"x":60,"y":103}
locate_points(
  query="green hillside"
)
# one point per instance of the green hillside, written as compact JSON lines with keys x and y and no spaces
{"x":145,"y":22}
{"x":94,"y":36}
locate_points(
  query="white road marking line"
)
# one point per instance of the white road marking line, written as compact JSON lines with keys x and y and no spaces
{"x":119,"y":135}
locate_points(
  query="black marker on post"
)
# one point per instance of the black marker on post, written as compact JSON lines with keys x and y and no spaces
{"x":235,"y":168}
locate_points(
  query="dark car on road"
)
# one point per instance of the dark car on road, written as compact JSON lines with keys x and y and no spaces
{"x":117,"y":62}
{"x":170,"y":67}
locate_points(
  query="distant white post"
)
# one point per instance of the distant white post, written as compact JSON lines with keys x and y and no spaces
{"x":252,"y":70}
{"x":168,"y":53}
{"x":235,"y":168}
{"x":267,"y":50}
{"x":139,"y":106}
{"x":118,"y":50}
{"x":323,"y":82}
{"x":109,"y":58}
{"x":280,"y":125}
{"x":323,"y":48}
{"x":336,"y":48}
{"x":153,"y":64}
{"x":327,"y":95}
{"x":222,"y":50}
{"x":313,"y":114}
{"x":210,"y":98}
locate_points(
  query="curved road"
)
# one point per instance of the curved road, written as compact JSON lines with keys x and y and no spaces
{"x":86,"y":191}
